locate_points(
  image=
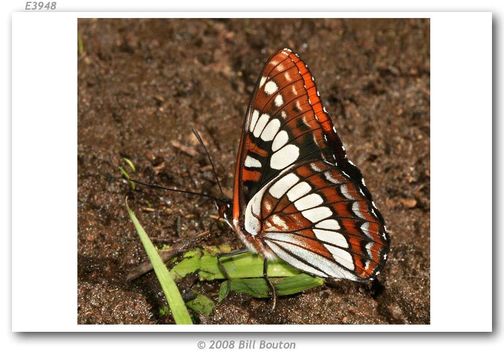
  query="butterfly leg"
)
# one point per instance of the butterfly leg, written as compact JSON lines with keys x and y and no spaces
{"x":270,"y":284}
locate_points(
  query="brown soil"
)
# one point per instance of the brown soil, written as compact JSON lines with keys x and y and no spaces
{"x":144,"y":83}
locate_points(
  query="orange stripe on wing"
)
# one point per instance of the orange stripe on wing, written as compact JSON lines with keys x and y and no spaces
{"x":311,"y":88}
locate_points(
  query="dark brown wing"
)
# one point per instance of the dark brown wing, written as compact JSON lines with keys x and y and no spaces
{"x":289,"y":146}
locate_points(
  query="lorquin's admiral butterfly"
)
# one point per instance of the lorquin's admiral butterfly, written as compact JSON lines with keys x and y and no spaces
{"x":296,"y":195}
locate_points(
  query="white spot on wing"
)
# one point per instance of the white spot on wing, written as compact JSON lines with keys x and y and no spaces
{"x":317,"y":214}
{"x":251,"y":162}
{"x":279,"y":222}
{"x":263,"y":80}
{"x":329,"y":267}
{"x":292,"y":260}
{"x":309,"y":201}
{"x":345,"y":192}
{"x":280,"y":140}
{"x":279,"y":100}
{"x":315,"y":167}
{"x":299,"y":190}
{"x":270,"y":87}
{"x":369,"y":248}
{"x":341,"y":256}
{"x":252,"y":214}
{"x":270,"y":130}
{"x":365,"y":229}
{"x":283,"y":184}
{"x":366,"y":264}
{"x":252,"y":224}
{"x":284,"y":157}
{"x":329,"y":177}
{"x":329,"y":224}
{"x":253,"y":119}
{"x":356,"y":210}
{"x":261,"y":123}
{"x":332,"y":237}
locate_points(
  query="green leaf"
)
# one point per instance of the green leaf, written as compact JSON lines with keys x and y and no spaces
{"x":172,"y":294}
{"x":164,"y":311}
{"x":223,"y":290}
{"x":190,"y":264}
{"x":201,"y":304}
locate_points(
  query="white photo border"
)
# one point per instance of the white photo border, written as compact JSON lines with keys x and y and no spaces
{"x":44,"y":100}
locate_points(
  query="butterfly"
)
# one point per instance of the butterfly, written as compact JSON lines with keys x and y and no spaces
{"x":296,"y":195}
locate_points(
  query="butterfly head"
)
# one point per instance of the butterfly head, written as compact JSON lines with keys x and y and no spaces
{"x":225,"y":211}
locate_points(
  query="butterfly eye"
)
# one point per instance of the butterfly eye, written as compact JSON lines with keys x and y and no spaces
{"x":225,"y":211}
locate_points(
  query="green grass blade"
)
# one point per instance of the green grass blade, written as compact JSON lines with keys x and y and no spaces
{"x":172,"y":294}
{"x":130,"y":164}
{"x":80,"y":44}
{"x":125,"y":175}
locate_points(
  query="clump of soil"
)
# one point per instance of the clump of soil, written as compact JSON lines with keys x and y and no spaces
{"x":144,"y":83}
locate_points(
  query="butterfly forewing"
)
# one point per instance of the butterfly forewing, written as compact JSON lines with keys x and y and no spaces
{"x":296,"y":195}
{"x":285,"y":123}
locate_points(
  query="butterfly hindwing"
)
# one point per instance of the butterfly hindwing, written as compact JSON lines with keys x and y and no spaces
{"x":316,"y":215}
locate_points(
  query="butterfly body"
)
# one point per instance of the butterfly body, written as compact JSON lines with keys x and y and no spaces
{"x":296,"y":195}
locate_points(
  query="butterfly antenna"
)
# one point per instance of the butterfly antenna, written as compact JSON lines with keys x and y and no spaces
{"x":177,"y":190}
{"x":195,"y":132}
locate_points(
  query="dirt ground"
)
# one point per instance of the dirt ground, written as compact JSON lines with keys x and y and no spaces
{"x":144,"y":83}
